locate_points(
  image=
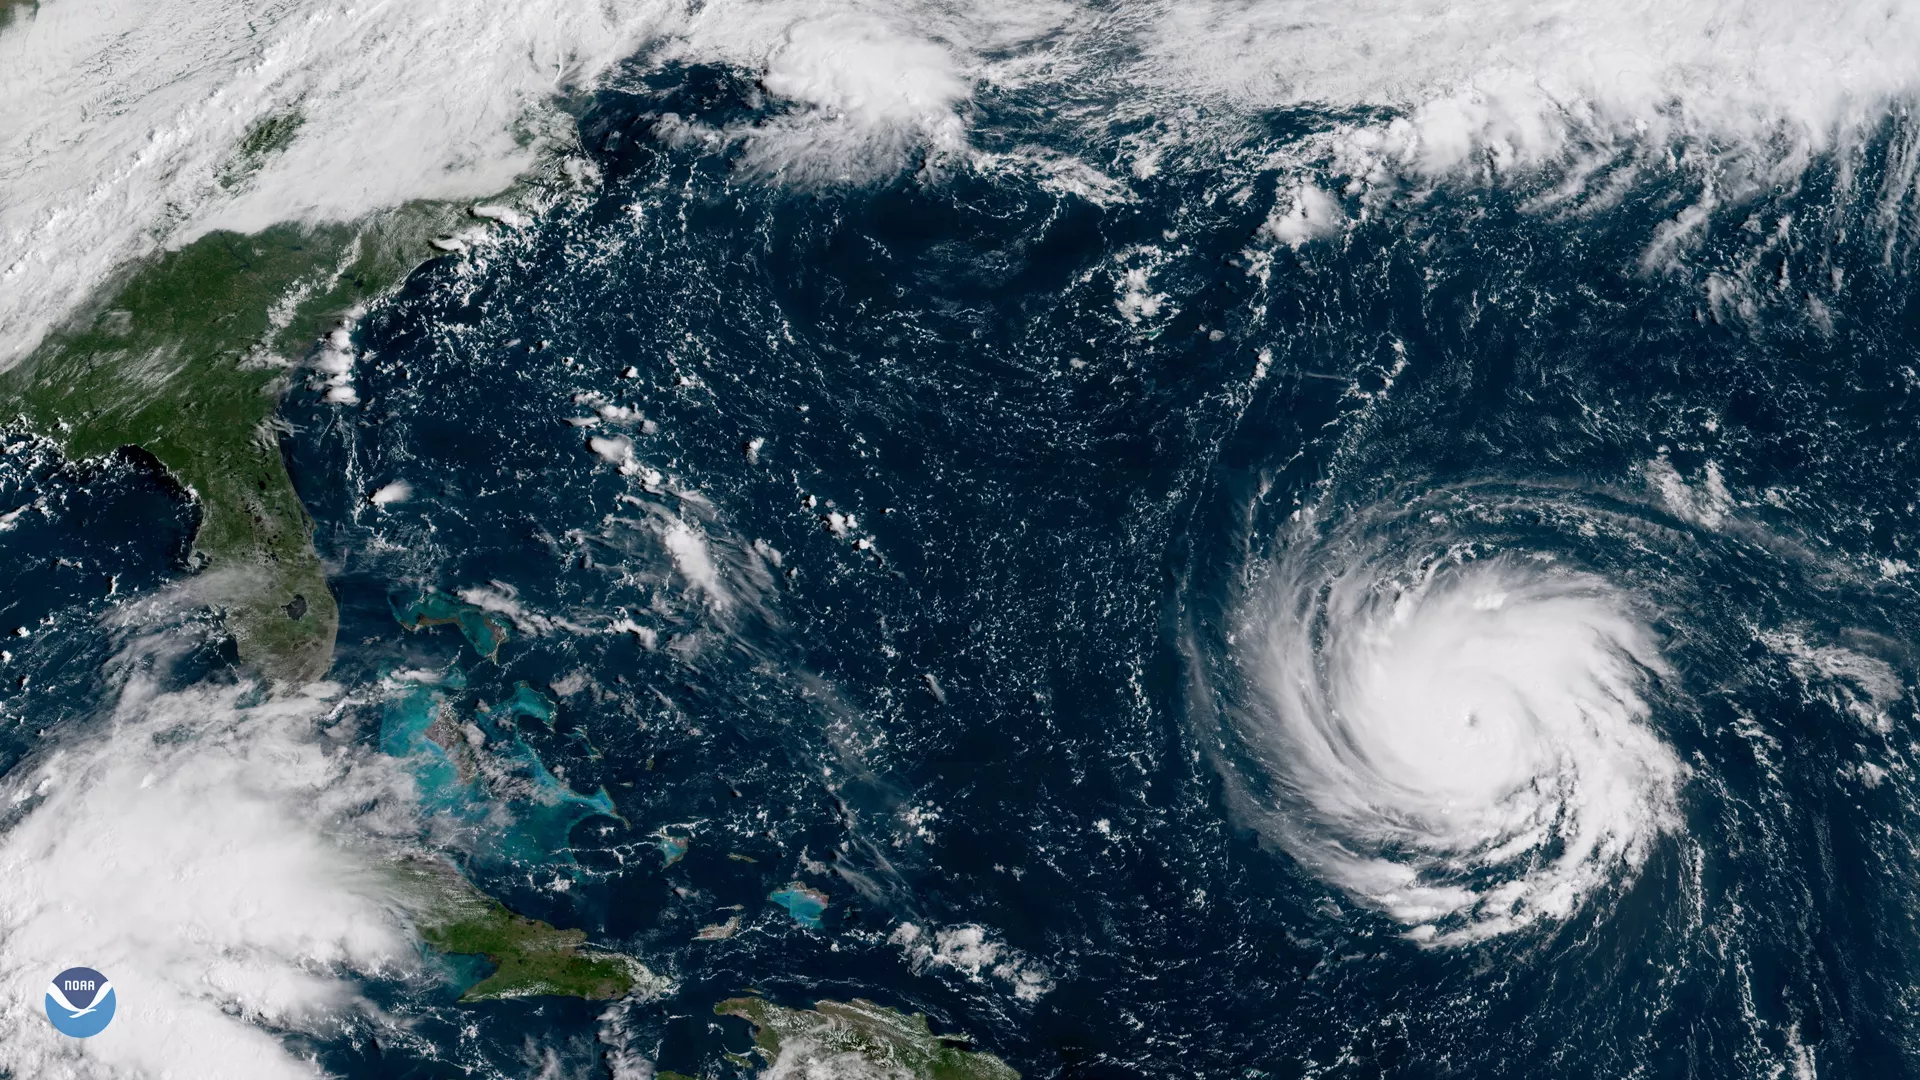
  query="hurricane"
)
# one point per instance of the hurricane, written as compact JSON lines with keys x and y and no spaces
{"x":754,"y":538}
{"x":1457,"y":733}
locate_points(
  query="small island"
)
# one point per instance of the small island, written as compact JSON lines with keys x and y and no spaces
{"x":433,"y":608}
{"x":806,"y":905}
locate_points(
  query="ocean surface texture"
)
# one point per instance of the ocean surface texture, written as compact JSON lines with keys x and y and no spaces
{"x":1238,"y":539}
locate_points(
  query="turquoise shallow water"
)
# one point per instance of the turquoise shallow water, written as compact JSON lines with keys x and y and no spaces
{"x":950,"y":584}
{"x":1449,"y":646}
{"x":519,"y":813}
{"x":804,"y":904}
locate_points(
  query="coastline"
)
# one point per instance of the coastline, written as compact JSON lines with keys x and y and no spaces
{"x":187,"y":358}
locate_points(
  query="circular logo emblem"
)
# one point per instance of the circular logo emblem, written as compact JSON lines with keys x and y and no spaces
{"x":80,"y":1002}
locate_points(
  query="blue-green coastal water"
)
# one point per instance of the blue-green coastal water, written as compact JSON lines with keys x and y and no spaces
{"x":1433,"y":638}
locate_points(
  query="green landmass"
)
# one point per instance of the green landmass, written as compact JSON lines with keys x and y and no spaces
{"x":9,"y":7}
{"x":531,"y":958}
{"x":266,"y":137}
{"x":186,"y":358}
{"x":894,"y":1042}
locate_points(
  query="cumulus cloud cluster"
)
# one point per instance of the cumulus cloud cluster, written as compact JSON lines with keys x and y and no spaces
{"x":191,"y":847}
{"x":126,"y":123}
{"x":975,"y":952}
{"x":1522,"y":80}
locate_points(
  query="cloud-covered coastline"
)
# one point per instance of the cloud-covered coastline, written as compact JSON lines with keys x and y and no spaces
{"x":125,"y":121}
{"x":212,"y":852}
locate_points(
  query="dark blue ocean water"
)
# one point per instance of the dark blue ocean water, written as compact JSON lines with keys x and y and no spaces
{"x":991,"y":700}
{"x":76,"y":541}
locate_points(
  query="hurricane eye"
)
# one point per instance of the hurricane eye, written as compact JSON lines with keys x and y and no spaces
{"x":1466,"y":746}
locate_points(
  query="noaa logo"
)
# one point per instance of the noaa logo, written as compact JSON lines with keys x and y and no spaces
{"x":80,"y":1002}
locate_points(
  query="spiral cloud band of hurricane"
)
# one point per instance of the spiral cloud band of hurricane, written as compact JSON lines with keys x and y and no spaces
{"x":1461,"y":743}
{"x":122,"y":116}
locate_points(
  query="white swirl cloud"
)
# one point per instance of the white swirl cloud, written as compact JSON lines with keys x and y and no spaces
{"x":1463,"y":744}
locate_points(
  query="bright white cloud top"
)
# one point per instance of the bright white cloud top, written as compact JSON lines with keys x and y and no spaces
{"x":199,"y":849}
{"x":121,"y":117}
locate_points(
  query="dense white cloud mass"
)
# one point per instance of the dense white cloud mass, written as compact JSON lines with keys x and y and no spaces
{"x":1519,"y":77}
{"x":1464,"y":746}
{"x":193,"y":849}
{"x":122,"y":117}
